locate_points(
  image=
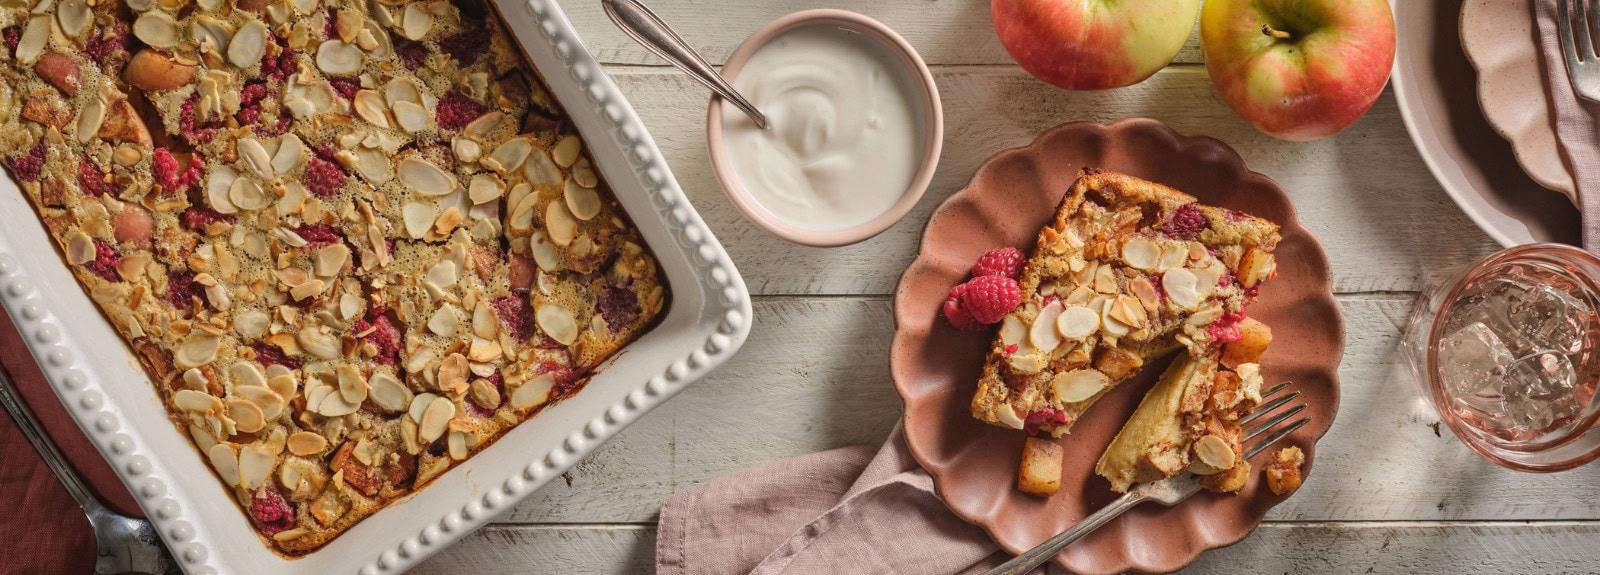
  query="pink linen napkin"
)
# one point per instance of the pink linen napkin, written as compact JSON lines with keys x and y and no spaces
{"x":847,"y":510}
{"x":1577,"y":124}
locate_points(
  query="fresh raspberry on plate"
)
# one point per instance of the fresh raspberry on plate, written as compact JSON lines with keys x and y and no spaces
{"x":989,"y":298}
{"x":1006,"y":262}
{"x":955,"y":315}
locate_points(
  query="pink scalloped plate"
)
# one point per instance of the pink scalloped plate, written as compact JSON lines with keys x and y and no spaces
{"x":935,"y":367}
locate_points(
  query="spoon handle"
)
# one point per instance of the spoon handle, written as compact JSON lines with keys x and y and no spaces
{"x":641,"y":24}
{"x":47,"y":449}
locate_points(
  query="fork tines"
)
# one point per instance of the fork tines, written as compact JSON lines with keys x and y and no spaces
{"x":1577,"y":27}
{"x":1274,"y":427}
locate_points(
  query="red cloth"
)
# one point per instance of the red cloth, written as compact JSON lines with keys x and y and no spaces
{"x":43,"y":531}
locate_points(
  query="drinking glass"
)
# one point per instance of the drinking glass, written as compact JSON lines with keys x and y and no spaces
{"x":1506,"y":350}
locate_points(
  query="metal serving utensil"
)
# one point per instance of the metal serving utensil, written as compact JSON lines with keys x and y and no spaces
{"x":641,"y":24}
{"x":1169,"y":491}
{"x":1577,"y":46}
{"x":122,"y":544}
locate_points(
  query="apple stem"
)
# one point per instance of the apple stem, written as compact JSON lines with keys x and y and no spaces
{"x":1274,"y":32}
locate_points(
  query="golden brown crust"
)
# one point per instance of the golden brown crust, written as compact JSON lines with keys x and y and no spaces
{"x":352,"y":243}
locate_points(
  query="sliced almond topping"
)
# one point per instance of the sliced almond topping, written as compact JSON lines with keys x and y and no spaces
{"x":1146,"y":292}
{"x":255,"y":157}
{"x":271,"y":403}
{"x":218,"y":185}
{"x":453,"y":373}
{"x":424,"y":177}
{"x":255,"y":466}
{"x":248,"y":45}
{"x":533,"y":393}
{"x":418,"y":218}
{"x":456,"y":443}
{"x":584,"y":203}
{"x":1129,"y":311}
{"x":306,"y":443}
{"x":290,"y":155}
{"x":196,"y":401}
{"x":566,"y":150}
{"x":1077,"y":322}
{"x":584,"y":175}
{"x":35,"y":37}
{"x":447,"y":221}
{"x":466,"y":149}
{"x":247,"y":416}
{"x":401,"y":89}
{"x":339,"y":58}
{"x":1214,"y":453}
{"x":1008,"y":416}
{"x":74,"y":17}
{"x":1079,"y":385}
{"x":331,"y":259}
{"x":1043,"y":333}
{"x":416,"y":22}
{"x":247,"y":194}
{"x":485,"y":323}
{"x":484,"y":394}
{"x":352,"y":385}
{"x":411,"y":117}
{"x":419,"y":360}
{"x":1027,"y":361}
{"x":485,"y":188}
{"x":307,"y":289}
{"x":158,"y":29}
{"x":443,"y":274}
{"x":434,"y":419}
{"x":198,"y":349}
{"x":80,"y":247}
{"x":369,"y":105}
{"x":374,"y":165}
{"x":557,"y":323}
{"x":318,"y":342}
{"x":1109,"y":322}
{"x":1012,"y":330}
{"x":1105,"y":279}
{"x":559,"y":223}
{"x":90,"y":118}
{"x":225,"y":459}
{"x":544,"y":252}
{"x":1141,"y":253}
{"x":418,"y":405}
{"x":388,"y":393}
{"x":1173,"y":256}
{"x":541,"y":170}
{"x":335,"y":405}
{"x":484,"y":350}
{"x":1179,"y":284}
{"x":444,"y":322}
{"x":510,"y":155}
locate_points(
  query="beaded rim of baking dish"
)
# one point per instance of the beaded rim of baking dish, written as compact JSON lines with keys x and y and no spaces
{"x":83,"y":394}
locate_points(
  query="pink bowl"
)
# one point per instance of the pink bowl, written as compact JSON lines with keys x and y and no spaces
{"x":933,"y":129}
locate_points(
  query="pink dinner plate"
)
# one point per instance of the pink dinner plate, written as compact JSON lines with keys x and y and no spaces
{"x":1501,"y":40}
{"x":935,"y":367}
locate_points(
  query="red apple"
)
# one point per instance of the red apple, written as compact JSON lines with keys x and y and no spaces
{"x":1298,"y":69}
{"x":1093,"y":44}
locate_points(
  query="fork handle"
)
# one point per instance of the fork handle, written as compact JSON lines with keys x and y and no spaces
{"x":1032,"y":558}
{"x":45,"y":447}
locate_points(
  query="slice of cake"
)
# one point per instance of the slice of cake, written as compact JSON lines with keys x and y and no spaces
{"x":1129,"y":270}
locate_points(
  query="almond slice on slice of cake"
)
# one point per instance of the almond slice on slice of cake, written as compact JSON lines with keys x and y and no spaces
{"x":1128,"y":271}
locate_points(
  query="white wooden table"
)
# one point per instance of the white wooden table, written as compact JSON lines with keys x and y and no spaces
{"x":1389,"y":494}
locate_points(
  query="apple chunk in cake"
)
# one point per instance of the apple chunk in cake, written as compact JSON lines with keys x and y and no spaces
{"x":1129,"y":270}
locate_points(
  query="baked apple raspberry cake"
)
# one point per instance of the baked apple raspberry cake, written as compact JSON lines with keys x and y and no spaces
{"x":351,"y":241}
{"x":1129,"y":270}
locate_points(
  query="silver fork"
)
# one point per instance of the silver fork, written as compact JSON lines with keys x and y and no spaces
{"x":1577,"y":29}
{"x":122,"y":544}
{"x":1167,"y":491}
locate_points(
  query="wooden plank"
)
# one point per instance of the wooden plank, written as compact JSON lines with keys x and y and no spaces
{"x":1401,"y":547}
{"x":814,"y":375}
{"x":1365,"y":193}
{"x":943,"y":32}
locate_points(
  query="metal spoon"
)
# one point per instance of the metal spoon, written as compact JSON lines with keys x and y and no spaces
{"x":639,"y":23}
{"x":122,"y":544}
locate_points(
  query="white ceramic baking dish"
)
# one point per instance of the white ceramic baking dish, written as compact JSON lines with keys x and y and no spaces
{"x":107,"y":393}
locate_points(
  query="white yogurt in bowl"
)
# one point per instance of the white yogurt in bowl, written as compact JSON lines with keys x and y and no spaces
{"x":852,"y":135}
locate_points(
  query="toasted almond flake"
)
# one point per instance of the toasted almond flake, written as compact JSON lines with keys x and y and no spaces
{"x":1027,"y":361}
{"x":388,"y":393}
{"x":246,"y":415}
{"x":1105,"y":279}
{"x":196,"y":401}
{"x":335,"y":405}
{"x":1129,"y":311}
{"x":566,"y":150}
{"x":485,"y":188}
{"x":90,"y":118}
{"x":247,"y":194}
{"x":1079,"y":385}
{"x":418,"y":405}
{"x":415,"y":22}
{"x":559,"y":223}
{"x":401,"y":89}
{"x":1077,"y":322}
{"x":80,"y":247}
{"x":418,"y":217}
{"x":352,"y":385}
{"x":290,"y":155}
{"x":411,"y":117}
{"x":510,"y":155}
{"x":444,"y":321}
{"x":158,"y":29}
{"x":369,"y":105}
{"x":74,"y":17}
{"x":197,"y":349}
{"x":443,"y":274}
{"x":251,"y":324}
{"x":306,"y":443}
{"x":1042,"y":334}
{"x":484,"y":394}
{"x":218,"y":185}
{"x":424,"y":177}
{"x":584,"y":203}
{"x":584,"y":175}
{"x":520,"y":222}
{"x":1108,"y":322}
{"x":533,"y":393}
{"x":558,"y":323}
{"x":419,"y":360}
{"x":255,"y":157}
{"x":339,"y":58}
{"x":1141,"y":253}
{"x":248,"y":45}
{"x":1008,"y":416}
{"x":456,"y":443}
{"x":331,"y":259}
{"x":195,"y":379}
{"x":484,"y":350}
{"x":1146,"y":292}
{"x":1173,"y":255}
{"x":255,"y":466}
{"x":545,"y":254}
{"x":1012,"y":330}
{"x":485,"y":323}
{"x":270,"y":402}
{"x":453,"y":373}
{"x":225,"y":459}
{"x":447,"y":221}
{"x":1213,"y":454}
{"x":465,"y":149}
{"x":1179,"y":284}
{"x":541,"y":170}
{"x":434,"y":419}
{"x":305,"y":290}
{"x":217,"y":296}
{"x":316,"y":341}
